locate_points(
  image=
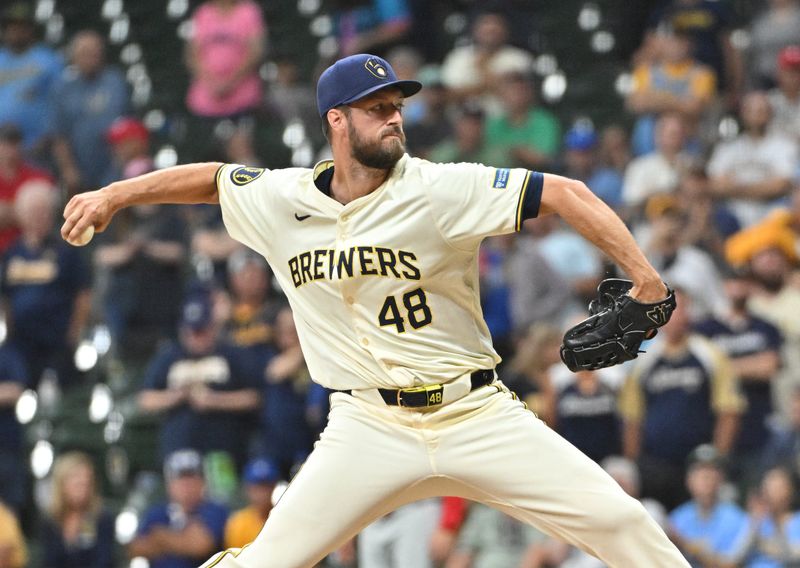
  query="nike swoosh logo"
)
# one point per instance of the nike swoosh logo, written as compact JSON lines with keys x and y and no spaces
{"x":301,"y":217}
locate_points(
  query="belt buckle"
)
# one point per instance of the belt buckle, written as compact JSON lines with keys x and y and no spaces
{"x":433,"y":395}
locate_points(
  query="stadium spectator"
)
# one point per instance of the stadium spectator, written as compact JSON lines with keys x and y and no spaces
{"x":705,"y":528}
{"x":709,"y":25}
{"x":473,"y":70}
{"x":657,"y":171}
{"x":370,"y":26}
{"x":255,"y":305}
{"x":491,"y":539}
{"x":393,"y":541}
{"x":755,"y":169}
{"x":42,"y":274}
{"x":187,"y":528}
{"x":575,"y":260}
{"x":130,"y":148}
{"x":13,"y":471}
{"x":433,"y":126}
{"x":615,"y":148}
{"x":768,"y":252}
{"x":527,"y":374}
{"x":223,"y":55}
{"x":14,"y":172}
{"x":581,"y":161}
{"x":259,"y":478}
{"x":754,"y":347}
{"x":13,"y":550}
{"x":783,"y":446}
{"x":294,"y":99}
{"x":468,"y":143}
{"x":772,"y":537}
{"x":140,"y":266}
{"x":202,"y":386}
{"x":89,"y":97}
{"x":29,"y":70}
{"x":79,"y":531}
{"x":682,"y":265}
{"x":674,"y":83}
{"x":785,"y":98}
{"x":777,"y":27}
{"x":537,"y":291}
{"x":286,"y":433}
{"x":586,"y":410}
{"x":529,"y":135}
{"x":683,"y":394}
{"x":453,"y":514}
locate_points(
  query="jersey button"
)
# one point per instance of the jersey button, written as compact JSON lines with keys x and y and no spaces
{"x":351,"y":300}
{"x":364,"y":341}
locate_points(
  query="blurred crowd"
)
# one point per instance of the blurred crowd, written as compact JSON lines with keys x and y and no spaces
{"x":702,"y":162}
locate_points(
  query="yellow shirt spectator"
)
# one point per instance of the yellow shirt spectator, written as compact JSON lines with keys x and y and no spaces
{"x":13,"y":552}
{"x":243,"y":527}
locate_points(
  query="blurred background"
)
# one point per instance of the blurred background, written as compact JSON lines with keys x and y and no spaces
{"x":154,"y":401}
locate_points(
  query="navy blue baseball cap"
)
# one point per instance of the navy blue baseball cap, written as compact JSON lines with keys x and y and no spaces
{"x":355,"y":77}
{"x":197,"y":312}
{"x":261,"y":470}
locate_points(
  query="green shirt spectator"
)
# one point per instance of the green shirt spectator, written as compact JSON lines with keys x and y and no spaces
{"x":530,"y":136}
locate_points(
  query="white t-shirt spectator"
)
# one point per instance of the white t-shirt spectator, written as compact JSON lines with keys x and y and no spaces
{"x":649,"y":175}
{"x":749,"y":160}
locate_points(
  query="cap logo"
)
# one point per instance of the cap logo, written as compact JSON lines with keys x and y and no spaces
{"x":376,"y":68}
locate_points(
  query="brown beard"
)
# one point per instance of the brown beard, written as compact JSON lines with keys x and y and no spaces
{"x":375,"y":155}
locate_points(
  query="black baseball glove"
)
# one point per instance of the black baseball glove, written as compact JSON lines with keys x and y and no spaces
{"x":616,"y":328}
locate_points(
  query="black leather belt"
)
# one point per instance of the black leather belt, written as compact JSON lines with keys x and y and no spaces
{"x":430,"y":395}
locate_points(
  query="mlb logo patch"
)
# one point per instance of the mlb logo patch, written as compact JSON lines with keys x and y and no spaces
{"x":501,"y":178}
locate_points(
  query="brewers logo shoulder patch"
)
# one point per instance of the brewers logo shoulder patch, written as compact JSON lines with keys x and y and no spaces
{"x":245,"y":174}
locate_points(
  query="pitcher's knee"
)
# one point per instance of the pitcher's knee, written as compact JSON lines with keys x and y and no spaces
{"x":623,"y":515}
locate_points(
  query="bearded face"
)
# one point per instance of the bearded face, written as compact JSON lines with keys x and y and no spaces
{"x":381,"y":153}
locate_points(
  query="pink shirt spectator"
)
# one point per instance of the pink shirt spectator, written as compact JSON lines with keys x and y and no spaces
{"x":222,"y":41}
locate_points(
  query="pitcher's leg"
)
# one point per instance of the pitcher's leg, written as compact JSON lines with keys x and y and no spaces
{"x":518,"y":464}
{"x":361,"y":468}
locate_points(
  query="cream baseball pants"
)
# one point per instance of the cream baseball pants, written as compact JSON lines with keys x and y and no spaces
{"x":486,"y":447}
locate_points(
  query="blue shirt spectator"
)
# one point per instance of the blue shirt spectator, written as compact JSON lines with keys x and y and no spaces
{"x":13,"y":379}
{"x":581,"y":162}
{"x":28,"y":71}
{"x":187,"y":529}
{"x":88,"y":98}
{"x":203,"y":386}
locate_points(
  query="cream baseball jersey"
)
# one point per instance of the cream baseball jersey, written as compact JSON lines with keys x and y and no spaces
{"x":384,"y":289}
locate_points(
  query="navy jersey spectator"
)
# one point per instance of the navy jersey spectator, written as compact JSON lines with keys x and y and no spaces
{"x":287,"y":435}
{"x":202,"y":386}
{"x":13,"y":378}
{"x":706,"y":526}
{"x":753,"y":346}
{"x":29,"y":71}
{"x":87,"y":100}
{"x":683,"y":394}
{"x":41,"y":275}
{"x":586,"y":411}
{"x":185,"y":530}
{"x":79,"y":532}
{"x":142,"y":262}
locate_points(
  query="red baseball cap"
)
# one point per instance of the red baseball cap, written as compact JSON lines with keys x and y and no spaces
{"x":126,"y":128}
{"x":789,"y":57}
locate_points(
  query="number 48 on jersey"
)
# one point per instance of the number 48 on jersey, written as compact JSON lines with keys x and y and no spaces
{"x":416,"y":307}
